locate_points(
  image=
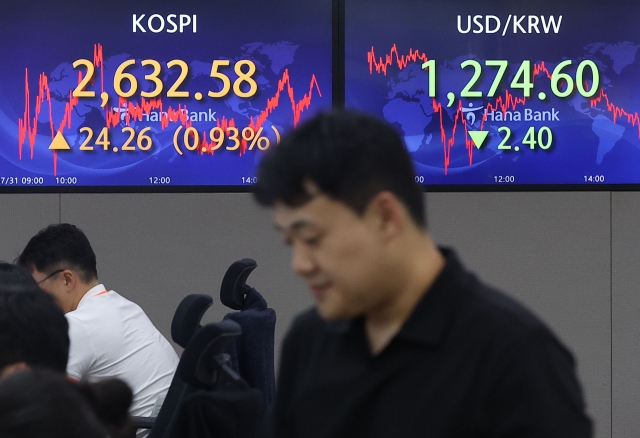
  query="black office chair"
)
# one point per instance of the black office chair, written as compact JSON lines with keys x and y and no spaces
{"x":185,"y":324}
{"x":252,"y":353}
{"x":216,"y":401}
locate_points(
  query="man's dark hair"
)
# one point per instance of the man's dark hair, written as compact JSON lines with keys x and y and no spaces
{"x":33,"y":328}
{"x":350,"y":157}
{"x":14,"y":275}
{"x":39,"y":403}
{"x":60,"y":246}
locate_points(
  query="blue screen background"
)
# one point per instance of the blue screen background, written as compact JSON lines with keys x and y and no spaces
{"x":290,"y":43}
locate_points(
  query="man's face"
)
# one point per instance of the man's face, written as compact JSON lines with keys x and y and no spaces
{"x":12,"y":369}
{"x":54,"y":283}
{"x":337,"y":253}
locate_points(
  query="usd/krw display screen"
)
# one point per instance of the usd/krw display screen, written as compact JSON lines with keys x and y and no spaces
{"x":155,"y":93}
{"x":502,"y":93}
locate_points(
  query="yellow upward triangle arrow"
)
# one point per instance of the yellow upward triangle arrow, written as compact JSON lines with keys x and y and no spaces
{"x":59,"y":143}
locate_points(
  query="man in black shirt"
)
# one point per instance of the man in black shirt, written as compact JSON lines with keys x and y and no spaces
{"x":403,"y":341}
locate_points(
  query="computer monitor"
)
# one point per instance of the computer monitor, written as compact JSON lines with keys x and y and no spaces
{"x":503,"y":95}
{"x":154,"y":95}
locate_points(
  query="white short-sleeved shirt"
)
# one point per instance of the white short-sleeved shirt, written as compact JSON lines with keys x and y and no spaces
{"x":113,"y":337}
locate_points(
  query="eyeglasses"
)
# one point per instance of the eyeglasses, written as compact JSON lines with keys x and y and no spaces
{"x":49,"y":276}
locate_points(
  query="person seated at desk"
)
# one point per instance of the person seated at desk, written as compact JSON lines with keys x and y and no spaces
{"x":33,"y":329}
{"x":111,"y":337}
{"x":13,"y":275}
{"x":403,"y":341}
{"x":38,"y":403}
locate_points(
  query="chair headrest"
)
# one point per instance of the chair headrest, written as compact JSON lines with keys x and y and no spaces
{"x":202,"y":359}
{"x":233,"y":287}
{"x":186,"y":319}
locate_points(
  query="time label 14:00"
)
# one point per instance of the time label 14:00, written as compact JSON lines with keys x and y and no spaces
{"x":562,"y":83}
{"x":244,"y":86}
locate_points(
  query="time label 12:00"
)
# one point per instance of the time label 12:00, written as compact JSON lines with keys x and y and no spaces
{"x":125,"y":83}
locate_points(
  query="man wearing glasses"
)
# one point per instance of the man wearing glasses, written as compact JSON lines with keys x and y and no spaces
{"x":111,"y":337}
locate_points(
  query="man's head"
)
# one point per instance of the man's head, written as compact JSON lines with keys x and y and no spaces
{"x":40,"y":403}
{"x":33,"y":330}
{"x":13,"y":275}
{"x":62,"y":262}
{"x":346,"y":201}
{"x":348,"y":156}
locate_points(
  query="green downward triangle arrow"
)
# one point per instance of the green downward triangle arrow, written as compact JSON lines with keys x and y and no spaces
{"x":478,"y":137}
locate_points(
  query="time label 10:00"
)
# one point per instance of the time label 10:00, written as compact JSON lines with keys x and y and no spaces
{"x":523,"y":78}
{"x":244,"y":86}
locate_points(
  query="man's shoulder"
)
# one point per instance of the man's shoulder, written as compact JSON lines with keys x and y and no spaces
{"x":502,"y":319}
{"x":476,"y":307}
{"x":500,"y":309}
{"x":106,"y":310}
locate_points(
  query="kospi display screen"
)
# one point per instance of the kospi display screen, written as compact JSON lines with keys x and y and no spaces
{"x":143,"y":93}
{"x":492,"y":93}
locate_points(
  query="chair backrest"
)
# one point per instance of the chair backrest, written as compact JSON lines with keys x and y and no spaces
{"x":204,"y":360}
{"x":185,"y":324}
{"x":216,"y":401}
{"x":252,"y":353}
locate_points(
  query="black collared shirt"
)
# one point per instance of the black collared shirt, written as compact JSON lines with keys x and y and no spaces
{"x":469,"y":362}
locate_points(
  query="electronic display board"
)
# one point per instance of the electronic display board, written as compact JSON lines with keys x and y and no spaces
{"x":168,"y":94}
{"x":513,"y":93}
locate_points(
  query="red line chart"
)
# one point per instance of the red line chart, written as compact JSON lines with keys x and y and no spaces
{"x":28,"y":123}
{"x":506,"y":102}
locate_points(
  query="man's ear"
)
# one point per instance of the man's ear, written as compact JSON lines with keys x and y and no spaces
{"x":13,"y":368}
{"x":70,"y":279}
{"x":387,"y":214}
